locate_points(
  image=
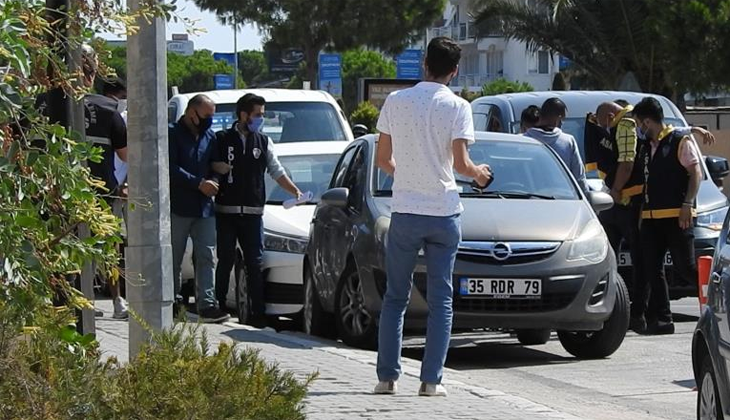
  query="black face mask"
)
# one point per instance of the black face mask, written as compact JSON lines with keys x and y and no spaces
{"x":203,"y":123}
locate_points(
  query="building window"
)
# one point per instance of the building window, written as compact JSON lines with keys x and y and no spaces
{"x":543,"y":62}
{"x":495,"y":64}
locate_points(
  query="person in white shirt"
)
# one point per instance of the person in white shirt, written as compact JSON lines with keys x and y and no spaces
{"x":424,"y":133}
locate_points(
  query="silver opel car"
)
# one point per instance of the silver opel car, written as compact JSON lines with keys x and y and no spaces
{"x":533,"y":257}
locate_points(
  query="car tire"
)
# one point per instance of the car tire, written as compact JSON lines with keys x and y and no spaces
{"x":709,"y":406}
{"x":243,"y":298}
{"x":533,"y":337}
{"x":603,"y":343}
{"x":355,"y":325}
{"x":314,"y":319}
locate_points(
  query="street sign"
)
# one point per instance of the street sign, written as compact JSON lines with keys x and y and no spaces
{"x":179,"y":37}
{"x":223,"y":81}
{"x":229,"y":58}
{"x":284,"y":61}
{"x":376,"y":90}
{"x":181,"y":47}
{"x":330,"y":74}
{"x":563,"y":63}
{"x":408,"y":65}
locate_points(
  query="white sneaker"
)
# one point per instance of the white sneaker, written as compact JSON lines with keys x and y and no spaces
{"x":432,"y":390}
{"x":121,"y":310}
{"x":386,"y":388}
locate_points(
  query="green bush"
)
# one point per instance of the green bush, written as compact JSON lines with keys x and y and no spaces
{"x":503,"y":85}
{"x":177,"y":376}
{"x":469,"y":95}
{"x":366,"y":114}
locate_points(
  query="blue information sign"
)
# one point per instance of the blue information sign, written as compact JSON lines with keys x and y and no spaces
{"x":229,"y":58}
{"x":408,"y":65}
{"x":330,"y":74}
{"x":223,"y":81}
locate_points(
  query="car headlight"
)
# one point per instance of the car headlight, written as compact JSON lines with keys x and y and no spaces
{"x":282,"y":243}
{"x":712,"y":220}
{"x":591,"y":245}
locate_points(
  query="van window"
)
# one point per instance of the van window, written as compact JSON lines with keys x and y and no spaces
{"x":172,"y":113}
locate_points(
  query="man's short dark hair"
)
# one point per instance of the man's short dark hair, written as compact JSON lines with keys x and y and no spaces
{"x":247,"y":102}
{"x":649,"y":108}
{"x":198,"y":100}
{"x":530,"y":116}
{"x":113,"y":86}
{"x":623,"y":103}
{"x":552,"y":108}
{"x":443,"y":56}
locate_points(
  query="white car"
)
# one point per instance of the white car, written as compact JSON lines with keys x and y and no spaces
{"x":291,"y":115}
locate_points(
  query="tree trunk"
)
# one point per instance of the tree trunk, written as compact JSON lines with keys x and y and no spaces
{"x":312,"y":54}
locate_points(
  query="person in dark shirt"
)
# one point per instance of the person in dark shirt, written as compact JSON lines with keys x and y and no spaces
{"x":192,"y":187}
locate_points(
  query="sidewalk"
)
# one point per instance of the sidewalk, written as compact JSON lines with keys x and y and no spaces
{"x":347,"y":377}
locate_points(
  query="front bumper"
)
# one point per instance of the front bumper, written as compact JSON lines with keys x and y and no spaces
{"x":567,"y":289}
{"x":283,"y":290}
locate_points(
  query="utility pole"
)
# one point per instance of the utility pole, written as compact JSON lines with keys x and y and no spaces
{"x":149,"y":253}
{"x":235,"y":52}
{"x":70,"y":114}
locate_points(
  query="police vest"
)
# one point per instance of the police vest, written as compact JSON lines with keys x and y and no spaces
{"x":666,"y":179}
{"x":242,"y":190}
{"x":99,"y":118}
{"x":601,"y":149}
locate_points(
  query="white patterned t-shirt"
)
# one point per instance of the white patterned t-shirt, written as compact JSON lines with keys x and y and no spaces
{"x":423,"y":122}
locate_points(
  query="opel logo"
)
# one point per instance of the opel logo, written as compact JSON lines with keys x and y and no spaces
{"x":501,"y":251}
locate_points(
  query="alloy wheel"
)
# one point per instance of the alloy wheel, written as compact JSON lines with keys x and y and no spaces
{"x":354,"y":316}
{"x":708,"y":403}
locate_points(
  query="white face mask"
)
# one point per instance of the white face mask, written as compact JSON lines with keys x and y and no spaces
{"x":122,"y":105}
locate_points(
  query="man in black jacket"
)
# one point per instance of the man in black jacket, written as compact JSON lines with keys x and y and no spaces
{"x":246,"y":155}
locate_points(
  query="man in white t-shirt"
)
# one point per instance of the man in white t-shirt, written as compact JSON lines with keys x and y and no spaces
{"x":424,"y":133}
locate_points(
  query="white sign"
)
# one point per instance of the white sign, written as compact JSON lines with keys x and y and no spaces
{"x":181,"y":47}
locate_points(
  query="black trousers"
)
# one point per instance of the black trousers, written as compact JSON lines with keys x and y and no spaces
{"x":658,"y":236}
{"x":622,"y":223}
{"x":248,"y":231}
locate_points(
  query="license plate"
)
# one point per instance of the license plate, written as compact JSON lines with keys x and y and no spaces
{"x":501,"y":288}
{"x":624,"y":259}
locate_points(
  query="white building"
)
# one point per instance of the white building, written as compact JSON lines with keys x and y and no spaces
{"x":488,"y":58}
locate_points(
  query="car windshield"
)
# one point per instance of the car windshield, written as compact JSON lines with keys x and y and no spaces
{"x":576,"y":128}
{"x":309,"y":173}
{"x":287,"y":122}
{"x":521,"y":170}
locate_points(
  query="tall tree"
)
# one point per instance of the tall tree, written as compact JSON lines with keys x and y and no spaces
{"x":667,"y":44}
{"x":360,"y":63}
{"x":252,"y":67}
{"x":315,"y":25}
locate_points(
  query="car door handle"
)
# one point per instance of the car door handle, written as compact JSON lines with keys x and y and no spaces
{"x":716,"y":278}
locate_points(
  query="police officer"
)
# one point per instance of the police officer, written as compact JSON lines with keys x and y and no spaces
{"x":612,"y":148}
{"x":247,"y":155}
{"x":672,"y":177}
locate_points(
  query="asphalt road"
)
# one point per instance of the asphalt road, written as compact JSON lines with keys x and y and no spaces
{"x":649,"y":377}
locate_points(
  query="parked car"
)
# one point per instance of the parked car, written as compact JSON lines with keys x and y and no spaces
{"x":533,"y":257}
{"x":291,"y":115}
{"x":711,"y":340}
{"x":501,"y":113}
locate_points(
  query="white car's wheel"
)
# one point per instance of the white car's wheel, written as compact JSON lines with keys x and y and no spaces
{"x":315,"y":321}
{"x":243,"y":301}
{"x":708,"y":396}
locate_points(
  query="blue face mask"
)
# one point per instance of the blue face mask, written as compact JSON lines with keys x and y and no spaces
{"x":640,"y":133}
{"x":255,"y":125}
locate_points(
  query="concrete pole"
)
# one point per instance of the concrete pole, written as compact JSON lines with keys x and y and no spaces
{"x":149,"y":253}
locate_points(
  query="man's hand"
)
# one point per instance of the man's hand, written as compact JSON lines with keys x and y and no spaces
{"x":208,"y":187}
{"x":685,"y":217}
{"x":707,"y":137}
{"x":221,"y":168}
{"x":298,"y":194}
{"x":484,"y":175}
{"x":616,"y":195}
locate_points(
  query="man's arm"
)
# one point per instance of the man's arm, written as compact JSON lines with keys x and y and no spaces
{"x":118,"y":136}
{"x":177,"y":173}
{"x":626,"y":141}
{"x":707,"y":137}
{"x":464,"y":165}
{"x":577,"y":168}
{"x":278,"y":173}
{"x":384,"y":158}
{"x":690,"y":159}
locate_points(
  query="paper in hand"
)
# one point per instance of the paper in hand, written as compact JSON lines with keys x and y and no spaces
{"x":306,"y":197}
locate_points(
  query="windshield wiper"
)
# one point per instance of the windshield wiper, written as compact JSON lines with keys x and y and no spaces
{"x":483,"y":194}
{"x":522,"y":194}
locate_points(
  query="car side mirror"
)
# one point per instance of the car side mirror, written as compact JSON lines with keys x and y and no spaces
{"x":336,"y":197}
{"x":359,"y":130}
{"x":600,"y":201}
{"x":718,"y":168}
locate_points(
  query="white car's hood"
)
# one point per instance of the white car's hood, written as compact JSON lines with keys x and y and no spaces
{"x":292,"y":222}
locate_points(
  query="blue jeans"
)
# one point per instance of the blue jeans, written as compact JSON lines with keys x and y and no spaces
{"x":202,"y":231}
{"x":439,"y":237}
